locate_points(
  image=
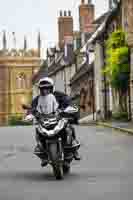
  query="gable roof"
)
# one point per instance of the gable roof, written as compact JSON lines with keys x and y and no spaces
{"x":56,"y":66}
{"x":61,"y":61}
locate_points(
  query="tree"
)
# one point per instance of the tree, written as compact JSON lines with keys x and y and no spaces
{"x":117,"y":65}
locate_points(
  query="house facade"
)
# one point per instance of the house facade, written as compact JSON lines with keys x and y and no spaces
{"x":127,"y":24}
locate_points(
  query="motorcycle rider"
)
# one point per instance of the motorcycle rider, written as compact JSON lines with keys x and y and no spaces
{"x":49,"y":101}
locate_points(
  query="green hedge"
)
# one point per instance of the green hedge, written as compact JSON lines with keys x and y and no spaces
{"x":120,"y":116}
{"x":17,"y":121}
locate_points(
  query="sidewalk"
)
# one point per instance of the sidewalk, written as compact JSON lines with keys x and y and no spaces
{"x":87,"y":120}
{"x":121,"y":126}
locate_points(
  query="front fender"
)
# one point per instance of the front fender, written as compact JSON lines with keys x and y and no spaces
{"x":53,"y":151}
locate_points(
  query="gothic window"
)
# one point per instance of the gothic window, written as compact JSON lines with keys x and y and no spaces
{"x":21,"y":81}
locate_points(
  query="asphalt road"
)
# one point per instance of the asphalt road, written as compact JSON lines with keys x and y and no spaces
{"x":104,"y":173}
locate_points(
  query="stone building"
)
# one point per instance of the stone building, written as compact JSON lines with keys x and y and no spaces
{"x":82,"y":86}
{"x":17,"y":67}
{"x":60,"y":58}
{"x":82,"y":90}
{"x":127,"y":24}
{"x":108,"y":22}
{"x":61,"y":69}
{"x":106,"y":101}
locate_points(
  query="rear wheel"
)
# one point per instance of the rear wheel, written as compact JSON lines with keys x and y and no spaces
{"x":58,"y":171}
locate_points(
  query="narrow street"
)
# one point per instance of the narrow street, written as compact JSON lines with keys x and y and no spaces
{"x":104,"y":173}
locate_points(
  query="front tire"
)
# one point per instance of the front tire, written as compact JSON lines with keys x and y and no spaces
{"x":58,"y":171}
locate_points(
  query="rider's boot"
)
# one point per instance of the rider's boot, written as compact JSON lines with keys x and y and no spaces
{"x":44,"y":162}
{"x":39,"y":151}
{"x":76,"y":155}
{"x":76,"y":144}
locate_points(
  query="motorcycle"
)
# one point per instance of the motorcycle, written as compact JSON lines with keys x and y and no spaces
{"x":52,"y":134}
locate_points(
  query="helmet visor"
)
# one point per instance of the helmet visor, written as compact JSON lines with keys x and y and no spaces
{"x":45,"y":84}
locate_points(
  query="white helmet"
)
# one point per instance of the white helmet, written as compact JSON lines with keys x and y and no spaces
{"x":46,"y":83}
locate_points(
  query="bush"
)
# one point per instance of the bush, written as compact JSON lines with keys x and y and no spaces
{"x":117,"y":67}
{"x":17,"y":121}
{"x":117,"y":60}
{"x":120,"y":116}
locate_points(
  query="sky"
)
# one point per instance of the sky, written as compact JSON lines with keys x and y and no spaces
{"x":27,"y":17}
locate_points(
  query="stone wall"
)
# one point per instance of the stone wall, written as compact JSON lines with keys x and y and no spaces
{"x":4,"y":84}
{"x":127,"y":21}
{"x":62,"y":78}
{"x":15,"y":84}
{"x":83,"y":90}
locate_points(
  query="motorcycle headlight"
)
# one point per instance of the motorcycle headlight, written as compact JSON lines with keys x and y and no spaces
{"x":61,"y":124}
{"x":43,"y":131}
{"x":50,"y":132}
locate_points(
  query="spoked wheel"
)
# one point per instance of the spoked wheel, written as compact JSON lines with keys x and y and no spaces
{"x":58,"y":171}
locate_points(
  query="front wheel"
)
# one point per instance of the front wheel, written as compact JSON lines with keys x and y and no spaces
{"x":58,"y":171}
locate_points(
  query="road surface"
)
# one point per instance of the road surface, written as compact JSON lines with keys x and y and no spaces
{"x":104,"y":173}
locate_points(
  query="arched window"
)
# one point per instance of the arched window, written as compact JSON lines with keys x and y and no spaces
{"x":21,"y":82}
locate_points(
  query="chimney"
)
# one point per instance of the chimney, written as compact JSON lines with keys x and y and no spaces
{"x":60,"y":13}
{"x":86,"y":16}
{"x":65,"y":13}
{"x":65,"y":28}
{"x":69,"y":13}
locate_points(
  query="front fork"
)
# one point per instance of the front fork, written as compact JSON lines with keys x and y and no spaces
{"x":61,"y":154}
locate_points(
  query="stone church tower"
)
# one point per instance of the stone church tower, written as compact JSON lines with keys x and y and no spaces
{"x":17,"y":67}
